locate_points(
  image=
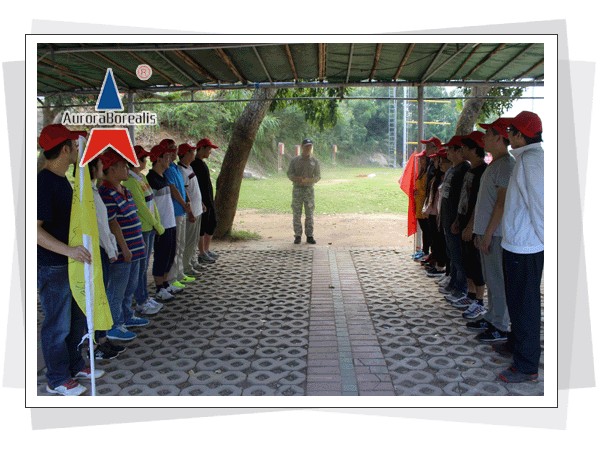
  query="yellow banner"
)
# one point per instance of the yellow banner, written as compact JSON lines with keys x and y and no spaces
{"x":86,"y":280}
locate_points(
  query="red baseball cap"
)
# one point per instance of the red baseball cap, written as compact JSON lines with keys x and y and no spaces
{"x":455,"y":141}
{"x":476,"y":136}
{"x":527,"y":123}
{"x":166,"y":142}
{"x":500,"y":125}
{"x":157,"y":151}
{"x":140,"y":152}
{"x":204,"y":143}
{"x":184,"y":148}
{"x":433,"y":140}
{"x":109,"y":158}
{"x":442,"y":153}
{"x":54,"y":134}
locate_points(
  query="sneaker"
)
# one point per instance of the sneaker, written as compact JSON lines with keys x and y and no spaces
{"x":297,"y":240}
{"x":479,"y":325}
{"x":187,"y":279}
{"x":173,"y":289}
{"x":426,"y":258}
{"x":163,"y":295}
{"x":191,"y":272}
{"x":136,"y":322}
{"x":418,"y":255}
{"x":502,"y":349}
{"x":464,"y":302}
{"x":511,"y":375}
{"x":198,"y":267}
{"x":154,"y":303}
{"x":310,"y":240}
{"x":70,"y":388}
{"x":206,"y":259}
{"x":121,"y":333}
{"x":147,"y":308}
{"x":475,"y":310}
{"x":87,"y":373}
{"x":455,"y":296}
{"x":436,"y":273}
{"x":492,"y":335}
{"x":443,"y":280}
{"x":445,"y":290}
{"x":117,"y":348}
{"x":213,"y":255}
{"x":105,"y":351}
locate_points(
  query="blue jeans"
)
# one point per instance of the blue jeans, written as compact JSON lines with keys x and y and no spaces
{"x":63,"y":327}
{"x":141,"y":292}
{"x":458,"y":276}
{"x":122,"y":281}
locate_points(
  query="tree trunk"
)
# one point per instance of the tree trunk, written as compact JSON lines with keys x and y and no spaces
{"x":236,"y":156}
{"x":470,"y":111}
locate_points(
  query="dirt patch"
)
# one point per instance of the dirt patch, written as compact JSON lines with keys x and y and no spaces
{"x":339,"y":230}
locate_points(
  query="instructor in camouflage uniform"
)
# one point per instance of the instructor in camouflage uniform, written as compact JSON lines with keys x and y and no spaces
{"x":304,"y":172}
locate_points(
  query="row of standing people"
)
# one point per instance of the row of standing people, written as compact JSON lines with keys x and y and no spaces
{"x":170,"y":211}
{"x":483,"y":226}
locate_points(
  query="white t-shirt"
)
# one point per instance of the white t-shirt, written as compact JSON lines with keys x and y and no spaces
{"x":193,"y":189}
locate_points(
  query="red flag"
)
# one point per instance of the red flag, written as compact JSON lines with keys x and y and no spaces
{"x":407,"y":184}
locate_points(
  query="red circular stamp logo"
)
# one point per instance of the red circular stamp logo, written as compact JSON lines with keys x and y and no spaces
{"x":143,"y":72}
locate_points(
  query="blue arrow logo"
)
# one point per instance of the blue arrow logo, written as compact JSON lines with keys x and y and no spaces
{"x":109,"y":99}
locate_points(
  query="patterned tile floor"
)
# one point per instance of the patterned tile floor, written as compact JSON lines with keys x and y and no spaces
{"x":311,"y":321}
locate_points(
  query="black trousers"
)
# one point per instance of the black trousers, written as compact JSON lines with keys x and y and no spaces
{"x":438,"y":242}
{"x":522,"y":281}
{"x":424,"y":224}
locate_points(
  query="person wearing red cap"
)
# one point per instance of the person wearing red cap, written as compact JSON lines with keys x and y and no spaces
{"x":456,"y":289}
{"x":182,"y":208}
{"x":164,"y":244}
{"x":143,"y":196}
{"x":208,"y":223}
{"x":473,"y":152}
{"x":487,"y":230}
{"x":126,"y":226}
{"x":64,"y":322}
{"x":523,"y":244}
{"x":187,"y":153}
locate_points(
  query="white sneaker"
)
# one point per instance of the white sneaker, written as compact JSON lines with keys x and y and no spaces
{"x":163,"y":294}
{"x":154,"y":303}
{"x":70,"y":388}
{"x":147,"y":308}
{"x":173,"y":289}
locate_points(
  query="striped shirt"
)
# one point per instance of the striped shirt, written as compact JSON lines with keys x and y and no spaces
{"x":162,"y":197}
{"x":122,"y":207}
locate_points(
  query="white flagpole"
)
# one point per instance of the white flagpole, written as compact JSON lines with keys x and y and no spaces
{"x":89,"y":277}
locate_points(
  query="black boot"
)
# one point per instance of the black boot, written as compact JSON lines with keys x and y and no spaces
{"x":310,"y":240}
{"x":297,"y":240}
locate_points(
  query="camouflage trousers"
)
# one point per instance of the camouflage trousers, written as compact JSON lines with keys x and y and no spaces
{"x":303,"y":196}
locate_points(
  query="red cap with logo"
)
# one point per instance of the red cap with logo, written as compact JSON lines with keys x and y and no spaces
{"x":500,"y":125}
{"x":158,"y":150}
{"x":54,"y":134}
{"x":475,"y":136}
{"x":184,"y":148}
{"x":140,"y":152}
{"x":455,"y":141}
{"x":109,"y":158}
{"x":434,"y":141}
{"x":205,"y":143}
{"x":527,"y":123}
{"x":442,"y":153}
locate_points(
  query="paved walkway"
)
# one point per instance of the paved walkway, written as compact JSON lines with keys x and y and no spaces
{"x":308,"y":320}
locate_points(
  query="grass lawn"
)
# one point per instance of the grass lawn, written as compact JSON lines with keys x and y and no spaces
{"x":341,"y":190}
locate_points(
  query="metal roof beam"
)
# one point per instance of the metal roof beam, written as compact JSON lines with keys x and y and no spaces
{"x":530,"y":70}
{"x":437,"y":56}
{"x":322,"y":61}
{"x":288,"y":52}
{"x":176,"y":67}
{"x":103,"y":68}
{"x":376,"y":61}
{"x":465,"y":62}
{"x":474,"y":69}
{"x":262,"y":64}
{"x":65,"y":71}
{"x":349,"y":62}
{"x":510,"y":62}
{"x":425,"y":78}
{"x":194,"y":65}
{"x":229,"y":63}
{"x":406,"y":55}
{"x":143,"y":61}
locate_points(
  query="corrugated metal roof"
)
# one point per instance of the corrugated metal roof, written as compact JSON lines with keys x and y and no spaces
{"x":81,"y":68}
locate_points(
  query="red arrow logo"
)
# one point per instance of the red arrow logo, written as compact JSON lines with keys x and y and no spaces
{"x":101,"y":138}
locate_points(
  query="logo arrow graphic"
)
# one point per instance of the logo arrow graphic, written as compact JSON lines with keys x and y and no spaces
{"x":101,"y":138}
{"x":109,"y":98}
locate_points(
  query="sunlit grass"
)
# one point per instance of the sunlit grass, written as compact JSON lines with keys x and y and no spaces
{"x":342,"y":190}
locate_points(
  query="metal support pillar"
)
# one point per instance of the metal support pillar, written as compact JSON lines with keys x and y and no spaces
{"x":131,"y":109}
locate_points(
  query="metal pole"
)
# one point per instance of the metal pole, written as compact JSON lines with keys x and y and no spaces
{"x":131,"y":109}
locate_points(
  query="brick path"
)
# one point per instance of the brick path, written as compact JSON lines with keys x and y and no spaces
{"x":308,"y":320}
